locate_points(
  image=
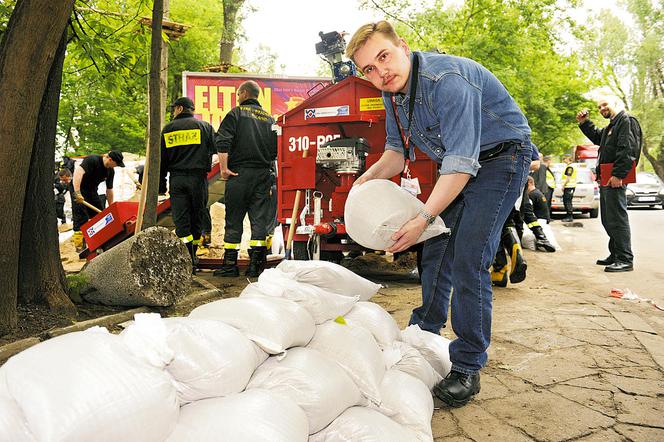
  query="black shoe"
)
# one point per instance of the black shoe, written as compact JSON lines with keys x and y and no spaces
{"x":457,"y":388}
{"x":568,"y":219}
{"x":605,"y":262}
{"x":227,"y":271}
{"x":619,"y":267}
{"x":544,"y":245}
{"x":519,"y":273}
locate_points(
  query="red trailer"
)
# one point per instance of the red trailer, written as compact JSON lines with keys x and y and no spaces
{"x":325,"y":144}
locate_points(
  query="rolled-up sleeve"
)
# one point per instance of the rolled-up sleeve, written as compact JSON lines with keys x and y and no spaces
{"x":393,"y":138}
{"x":458,"y":106}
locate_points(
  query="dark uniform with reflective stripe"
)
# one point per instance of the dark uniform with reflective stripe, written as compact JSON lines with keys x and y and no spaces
{"x":186,"y":147}
{"x":246,"y":135}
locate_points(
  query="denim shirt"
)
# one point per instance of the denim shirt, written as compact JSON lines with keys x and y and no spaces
{"x":461,"y":109}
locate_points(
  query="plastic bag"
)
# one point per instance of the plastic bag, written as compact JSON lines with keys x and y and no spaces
{"x":374,"y":318}
{"x":356,"y":351}
{"x":331,"y":277}
{"x":311,"y":380}
{"x":254,"y":415}
{"x":365,"y":425}
{"x":377,"y":209}
{"x":410,"y":400}
{"x":434,"y":348}
{"x":405,"y":358}
{"x":13,"y":426}
{"x":89,"y":386}
{"x":275,"y":324}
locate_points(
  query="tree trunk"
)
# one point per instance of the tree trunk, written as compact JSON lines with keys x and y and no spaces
{"x":229,"y":33}
{"x":41,"y":276}
{"x":147,"y":210}
{"x":152,"y":268}
{"x":657,"y":164}
{"x":26,"y":55}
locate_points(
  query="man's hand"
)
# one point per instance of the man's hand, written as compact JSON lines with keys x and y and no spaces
{"x":615,"y":182}
{"x":366,"y":176}
{"x":582,"y":116}
{"x":227,"y":173}
{"x":78,"y":197}
{"x":408,"y":234}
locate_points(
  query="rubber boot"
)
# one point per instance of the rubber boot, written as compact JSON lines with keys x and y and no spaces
{"x":500,"y":268}
{"x":518,"y":265}
{"x":79,"y":243}
{"x":229,"y":267}
{"x":541,"y":241}
{"x":257,"y":257}
{"x":192,"y":256}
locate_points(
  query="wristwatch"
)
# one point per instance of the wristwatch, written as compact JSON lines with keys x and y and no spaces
{"x":429,"y":218}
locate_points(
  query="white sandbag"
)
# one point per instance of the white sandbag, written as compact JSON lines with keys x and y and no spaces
{"x":356,"y":351}
{"x":275,"y":324}
{"x":548,"y":231}
{"x":13,"y":426}
{"x":434,"y":348}
{"x":363,"y":424}
{"x":250,"y":416}
{"x":311,"y":380}
{"x":321,"y":304}
{"x":377,"y":209}
{"x":89,"y":386}
{"x":374,"y":318}
{"x":208,"y":358}
{"x":330,"y":276}
{"x":528,"y":240}
{"x":405,"y":358}
{"x":410,"y":400}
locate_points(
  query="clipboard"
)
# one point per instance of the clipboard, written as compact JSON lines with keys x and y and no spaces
{"x":606,"y":172}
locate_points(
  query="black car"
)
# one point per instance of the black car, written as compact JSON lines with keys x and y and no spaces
{"x":647,"y":191}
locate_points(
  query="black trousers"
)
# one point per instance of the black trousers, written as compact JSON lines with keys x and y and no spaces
{"x":568,"y":197}
{"x":60,"y":210}
{"x":248,"y":192}
{"x":188,"y":198}
{"x":82,"y":214}
{"x":613,"y":210}
{"x":549,"y":197}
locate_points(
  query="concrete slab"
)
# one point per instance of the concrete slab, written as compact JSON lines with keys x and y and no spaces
{"x":587,"y":322}
{"x":640,"y":410}
{"x":476,"y":423}
{"x":654,"y":344}
{"x":581,"y":310}
{"x":632,"y":321}
{"x":443,"y":424}
{"x":595,"y":382}
{"x":600,"y":401}
{"x":508,"y":322}
{"x":539,"y":340}
{"x":637,"y":372}
{"x":546,"y":416}
{"x":606,"y":358}
{"x":638,"y":356}
{"x":556,"y":366}
{"x":604,"y":338}
{"x":640,"y":434}
{"x":603,"y":436}
{"x":492,"y":388}
{"x":635,"y":386}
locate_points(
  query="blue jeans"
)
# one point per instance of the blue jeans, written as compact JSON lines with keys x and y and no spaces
{"x":461,"y":261}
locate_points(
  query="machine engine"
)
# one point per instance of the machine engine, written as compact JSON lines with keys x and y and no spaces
{"x":344,"y":155}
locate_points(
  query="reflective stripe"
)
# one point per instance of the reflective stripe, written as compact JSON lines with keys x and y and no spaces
{"x":231,"y":246}
{"x":572,"y":178}
{"x":550,"y":179}
{"x":187,"y":239}
{"x":182,"y":138}
{"x":257,"y":243}
{"x":196,"y":242}
{"x":533,"y":224}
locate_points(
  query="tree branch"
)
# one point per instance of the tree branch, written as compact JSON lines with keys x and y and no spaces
{"x":389,"y":14}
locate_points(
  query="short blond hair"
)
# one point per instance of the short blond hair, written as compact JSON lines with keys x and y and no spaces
{"x":365,"y":32}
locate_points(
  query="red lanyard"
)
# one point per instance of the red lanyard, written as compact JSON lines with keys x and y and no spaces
{"x":405,"y":138}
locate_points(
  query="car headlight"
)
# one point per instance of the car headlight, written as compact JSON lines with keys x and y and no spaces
{"x":661,"y":192}
{"x":629,"y":192}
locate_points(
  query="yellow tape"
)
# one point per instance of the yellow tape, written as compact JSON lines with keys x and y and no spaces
{"x":182,"y":138}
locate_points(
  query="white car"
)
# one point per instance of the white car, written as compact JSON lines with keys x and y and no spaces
{"x":586,"y":195}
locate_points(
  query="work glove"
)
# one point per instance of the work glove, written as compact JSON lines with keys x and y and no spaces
{"x":78,"y":197}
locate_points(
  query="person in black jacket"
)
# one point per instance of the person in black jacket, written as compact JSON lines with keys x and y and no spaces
{"x":247,"y":146}
{"x":619,"y":143}
{"x":187,"y":145}
{"x":538,"y":200}
{"x":61,"y":185}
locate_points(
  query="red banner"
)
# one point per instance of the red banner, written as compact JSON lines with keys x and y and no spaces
{"x":215,"y":94}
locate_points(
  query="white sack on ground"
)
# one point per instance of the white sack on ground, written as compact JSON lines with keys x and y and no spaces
{"x":410,"y":400}
{"x":405,"y":358}
{"x":275,"y":324}
{"x":364,"y":425}
{"x":434,"y":348}
{"x":320,"y":303}
{"x":528,"y":240}
{"x":356,"y":351}
{"x":250,"y":416}
{"x":312,"y":380}
{"x":207,"y":358}
{"x":374,"y":318}
{"x":548,"y":231}
{"x":13,"y":426}
{"x":330,"y":276}
{"x":377,"y":209}
{"x":88,"y":386}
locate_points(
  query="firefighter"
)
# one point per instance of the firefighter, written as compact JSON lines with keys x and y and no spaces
{"x":61,"y":185}
{"x":186,"y":148}
{"x":92,"y":171}
{"x":247,"y":145}
{"x":569,"y":186}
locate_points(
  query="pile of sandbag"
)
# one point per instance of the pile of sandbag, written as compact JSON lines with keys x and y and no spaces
{"x":302,"y":354}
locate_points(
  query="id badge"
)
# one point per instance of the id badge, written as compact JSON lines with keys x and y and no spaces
{"x":411,"y":185}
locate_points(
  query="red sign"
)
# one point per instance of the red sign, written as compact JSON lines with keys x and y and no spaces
{"x":215,"y":94}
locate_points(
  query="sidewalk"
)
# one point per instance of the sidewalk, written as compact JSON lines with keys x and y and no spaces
{"x":566,"y":361}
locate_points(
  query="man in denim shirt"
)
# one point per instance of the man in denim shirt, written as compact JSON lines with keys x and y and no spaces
{"x":465,"y":120}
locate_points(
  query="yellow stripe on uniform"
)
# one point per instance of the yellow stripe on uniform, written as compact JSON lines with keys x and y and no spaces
{"x":533,"y":224}
{"x":257,"y":243}
{"x":182,"y":137}
{"x":187,"y":239}
{"x":231,"y":246}
{"x":197,"y":242}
